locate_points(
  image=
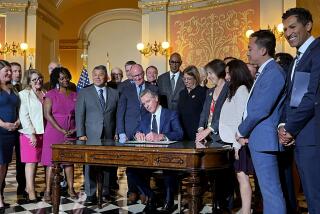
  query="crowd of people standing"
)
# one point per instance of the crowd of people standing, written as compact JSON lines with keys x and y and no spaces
{"x":266,"y":110}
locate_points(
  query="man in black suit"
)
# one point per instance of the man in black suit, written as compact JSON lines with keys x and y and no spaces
{"x":116,"y":78}
{"x":152,"y":74}
{"x":301,"y":118}
{"x":171,"y":83}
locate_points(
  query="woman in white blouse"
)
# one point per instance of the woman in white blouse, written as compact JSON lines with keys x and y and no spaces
{"x":31,"y":117}
{"x":231,"y":116}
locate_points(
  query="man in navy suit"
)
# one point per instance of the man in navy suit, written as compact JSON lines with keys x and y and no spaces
{"x":130,"y":110}
{"x":129,"y":113}
{"x":261,"y":118}
{"x":159,"y":124}
{"x":301,"y":117}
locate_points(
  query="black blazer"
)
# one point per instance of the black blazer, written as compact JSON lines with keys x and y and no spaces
{"x":217,"y":109}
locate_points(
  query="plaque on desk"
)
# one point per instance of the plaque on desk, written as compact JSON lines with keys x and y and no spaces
{"x":151,"y":142}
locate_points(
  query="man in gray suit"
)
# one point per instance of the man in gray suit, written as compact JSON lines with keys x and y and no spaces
{"x":96,"y":120}
{"x":171,"y":84}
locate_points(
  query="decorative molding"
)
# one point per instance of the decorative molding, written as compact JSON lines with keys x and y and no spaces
{"x":107,"y":16}
{"x":48,"y":17}
{"x":13,"y":7}
{"x":71,"y":44}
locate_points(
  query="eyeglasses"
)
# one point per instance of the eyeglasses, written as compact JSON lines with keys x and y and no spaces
{"x":37,"y":79}
{"x":174,"y":62}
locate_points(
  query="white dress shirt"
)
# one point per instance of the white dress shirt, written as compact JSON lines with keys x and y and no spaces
{"x":158,"y":114}
{"x":104,"y":92}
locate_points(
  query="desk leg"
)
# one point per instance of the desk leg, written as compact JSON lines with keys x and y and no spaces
{"x":99,"y":185}
{"x":56,"y":188}
{"x":194,"y":190}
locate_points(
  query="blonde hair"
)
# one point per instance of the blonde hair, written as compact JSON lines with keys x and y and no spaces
{"x":27,"y":77}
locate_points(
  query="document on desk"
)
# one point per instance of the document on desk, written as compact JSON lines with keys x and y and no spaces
{"x":151,"y":142}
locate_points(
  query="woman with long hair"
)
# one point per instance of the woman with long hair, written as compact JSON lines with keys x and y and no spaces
{"x":232,"y":110}
{"x":9,"y":122}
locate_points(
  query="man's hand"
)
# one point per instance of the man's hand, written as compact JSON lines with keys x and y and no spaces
{"x":83,"y":138}
{"x":151,"y":136}
{"x":285,"y":137}
{"x":243,"y":141}
{"x":202,"y":134}
{"x":140,"y":136}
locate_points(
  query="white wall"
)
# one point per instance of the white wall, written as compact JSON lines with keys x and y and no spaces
{"x":119,"y":39}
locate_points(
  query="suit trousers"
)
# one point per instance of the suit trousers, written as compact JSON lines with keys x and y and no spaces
{"x":308,"y":163}
{"x":267,"y":171}
{"x":90,"y":183}
{"x":20,"y":169}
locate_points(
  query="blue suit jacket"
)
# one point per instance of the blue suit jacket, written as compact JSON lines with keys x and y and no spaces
{"x":169,"y":124}
{"x":303,"y":121}
{"x":264,"y":110}
{"x":129,"y":110}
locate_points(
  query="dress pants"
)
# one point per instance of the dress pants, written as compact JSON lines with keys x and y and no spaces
{"x":90,"y":183}
{"x":267,"y":171}
{"x":308,"y":163}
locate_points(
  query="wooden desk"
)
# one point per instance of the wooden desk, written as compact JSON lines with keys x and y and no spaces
{"x":181,"y":156}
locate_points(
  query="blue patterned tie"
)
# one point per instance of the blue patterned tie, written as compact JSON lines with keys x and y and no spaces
{"x":154,"y":124}
{"x":101,"y":99}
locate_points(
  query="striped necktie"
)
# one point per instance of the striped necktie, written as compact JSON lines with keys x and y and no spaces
{"x":101,"y":99}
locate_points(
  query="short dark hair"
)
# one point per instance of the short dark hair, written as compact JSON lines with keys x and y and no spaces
{"x":130,"y":62}
{"x":193,"y":71}
{"x":148,"y":91}
{"x":303,"y":15}
{"x":55,"y":74}
{"x":265,"y":39}
{"x":229,"y":58}
{"x":101,"y":68}
{"x":218,"y":67}
{"x":284,"y":61}
{"x":15,"y":64}
{"x":239,"y":75}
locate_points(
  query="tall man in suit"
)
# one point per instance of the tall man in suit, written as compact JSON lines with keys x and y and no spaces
{"x":301,"y":118}
{"x":171,"y":83}
{"x":261,"y":118}
{"x":159,"y":124}
{"x":96,"y":120}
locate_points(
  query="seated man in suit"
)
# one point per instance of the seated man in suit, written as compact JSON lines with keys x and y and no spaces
{"x":159,"y":124}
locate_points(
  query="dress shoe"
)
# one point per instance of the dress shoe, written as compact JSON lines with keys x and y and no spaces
{"x":91,"y":199}
{"x":168,"y":207}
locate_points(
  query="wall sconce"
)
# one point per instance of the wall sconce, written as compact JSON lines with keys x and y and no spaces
{"x":276,"y":30}
{"x":154,"y":48}
{"x":14,"y":48}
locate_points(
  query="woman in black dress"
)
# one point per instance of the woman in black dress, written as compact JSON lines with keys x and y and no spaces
{"x":190,"y":102}
{"x":9,"y":122}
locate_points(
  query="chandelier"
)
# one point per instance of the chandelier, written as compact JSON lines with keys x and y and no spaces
{"x":155,"y":48}
{"x":14,"y":48}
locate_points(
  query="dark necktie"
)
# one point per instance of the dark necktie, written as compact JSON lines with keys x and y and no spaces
{"x":172,"y":82}
{"x":154,"y":124}
{"x":140,"y":90}
{"x":297,"y":59}
{"x":101,"y":99}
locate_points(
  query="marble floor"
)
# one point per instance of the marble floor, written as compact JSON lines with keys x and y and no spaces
{"x":116,"y":204}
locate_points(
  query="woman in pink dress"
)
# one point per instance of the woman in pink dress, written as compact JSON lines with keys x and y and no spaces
{"x":32,"y":122}
{"x":59,"y":109}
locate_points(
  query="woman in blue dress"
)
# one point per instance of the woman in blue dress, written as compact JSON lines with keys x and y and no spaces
{"x":9,"y":122}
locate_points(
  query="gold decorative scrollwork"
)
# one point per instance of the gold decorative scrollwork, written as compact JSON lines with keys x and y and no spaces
{"x":200,"y":37}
